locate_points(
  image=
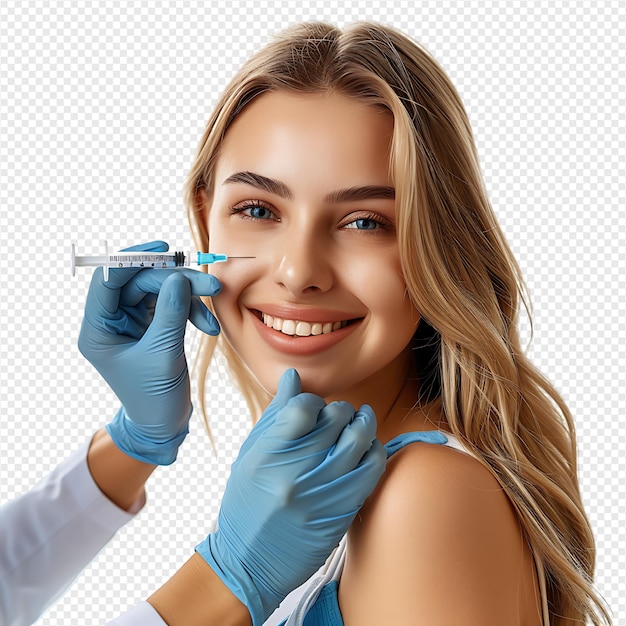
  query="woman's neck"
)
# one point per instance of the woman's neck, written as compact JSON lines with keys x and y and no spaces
{"x":407,"y":414}
{"x":393,"y":393}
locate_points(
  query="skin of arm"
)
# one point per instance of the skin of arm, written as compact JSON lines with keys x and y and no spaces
{"x":438,"y":542}
{"x":196,"y":596}
{"x":120,"y":477}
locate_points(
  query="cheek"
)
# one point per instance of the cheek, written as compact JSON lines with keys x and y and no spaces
{"x":395,"y":317}
{"x":234,"y":275}
{"x":234,"y":272}
{"x":376,"y":277}
{"x":238,"y":238}
{"x":221,"y":238}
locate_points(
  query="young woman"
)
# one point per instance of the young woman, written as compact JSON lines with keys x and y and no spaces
{"x":344,"y":162}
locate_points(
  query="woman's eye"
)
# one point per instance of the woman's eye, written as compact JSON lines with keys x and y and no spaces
{"x":363,"y":224}
{"x":254,"y":210}
{"x":368,"y":223}
{"x":260,"y":212}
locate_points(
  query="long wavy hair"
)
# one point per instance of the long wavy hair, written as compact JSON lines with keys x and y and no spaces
{"x":460,"y":274}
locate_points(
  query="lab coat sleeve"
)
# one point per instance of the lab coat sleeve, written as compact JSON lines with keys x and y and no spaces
{"x":141,"y":615}
{"x":49,"y":534}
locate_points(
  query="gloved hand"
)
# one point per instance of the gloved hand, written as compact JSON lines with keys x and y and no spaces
{"x":298,"y":482}
{"x":136,"y":341}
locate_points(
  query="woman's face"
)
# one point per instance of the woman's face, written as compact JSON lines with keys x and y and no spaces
{"x":302,"y":184}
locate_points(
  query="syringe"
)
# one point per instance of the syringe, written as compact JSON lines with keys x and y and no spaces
{"x":145,"y":259}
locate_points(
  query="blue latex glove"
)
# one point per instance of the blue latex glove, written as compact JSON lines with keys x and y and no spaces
{"x":136,"y":341}
{"x":298,"y":482}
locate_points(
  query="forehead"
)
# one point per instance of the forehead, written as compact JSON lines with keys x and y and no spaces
{"x":320,"y":135}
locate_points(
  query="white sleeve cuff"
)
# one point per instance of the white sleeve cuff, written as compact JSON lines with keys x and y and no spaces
{"x":142,"y":614}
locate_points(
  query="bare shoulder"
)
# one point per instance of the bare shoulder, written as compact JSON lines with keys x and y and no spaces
{"x":438,"y":542}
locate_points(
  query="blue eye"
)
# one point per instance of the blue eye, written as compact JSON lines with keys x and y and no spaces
{"x":368,"y":222}
{"x":254,"y":211}
{"x":364,"y":223}
{"x":260,"y":212}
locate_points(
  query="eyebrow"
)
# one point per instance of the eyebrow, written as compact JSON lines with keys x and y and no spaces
{"x":366,"y":192}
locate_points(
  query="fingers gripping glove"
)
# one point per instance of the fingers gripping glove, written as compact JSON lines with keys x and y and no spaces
{"x":297,"y":484}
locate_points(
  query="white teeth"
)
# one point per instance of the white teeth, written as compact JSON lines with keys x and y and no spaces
{"x":303,"y":329}
{"x":289,"y":327}
{"x":300,"y":328}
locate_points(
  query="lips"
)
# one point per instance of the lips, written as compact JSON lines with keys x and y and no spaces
{"x":299,"y":331}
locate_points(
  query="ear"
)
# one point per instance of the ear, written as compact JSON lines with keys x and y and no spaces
{"x":202,"y":200}
{"x":202,"y":204}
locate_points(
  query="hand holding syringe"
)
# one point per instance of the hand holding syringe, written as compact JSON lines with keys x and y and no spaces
{"x":154,"y":260}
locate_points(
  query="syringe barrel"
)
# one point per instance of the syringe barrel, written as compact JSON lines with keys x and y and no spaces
{"x":148,"y":259}
{"x":136,"y":259}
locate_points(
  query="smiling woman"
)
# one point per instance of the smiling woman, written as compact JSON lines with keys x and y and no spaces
{"x":344,"y":162}
{"x":327,"y":269}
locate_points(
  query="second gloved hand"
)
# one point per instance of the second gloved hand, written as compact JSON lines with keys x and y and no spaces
{"x":133,"y":333}
{"x":298,"y":482}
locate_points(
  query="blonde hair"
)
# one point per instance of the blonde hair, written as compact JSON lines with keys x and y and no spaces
{"x":460,"y":274}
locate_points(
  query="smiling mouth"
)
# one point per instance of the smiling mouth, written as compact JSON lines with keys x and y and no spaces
{"x":300,"y":328}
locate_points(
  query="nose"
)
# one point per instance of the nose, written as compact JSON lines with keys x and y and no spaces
{"x":303,"y":264}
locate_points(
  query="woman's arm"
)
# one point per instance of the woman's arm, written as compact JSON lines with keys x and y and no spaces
{"x":438,"y":542}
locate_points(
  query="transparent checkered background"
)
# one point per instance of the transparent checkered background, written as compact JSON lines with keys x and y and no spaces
{"x":101,"y":108}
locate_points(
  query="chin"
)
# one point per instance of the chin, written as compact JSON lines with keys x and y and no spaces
{"x":312,"y":382}
{"x":328,"y":388}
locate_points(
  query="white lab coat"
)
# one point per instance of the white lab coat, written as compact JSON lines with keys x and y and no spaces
{"x":49,"y":534}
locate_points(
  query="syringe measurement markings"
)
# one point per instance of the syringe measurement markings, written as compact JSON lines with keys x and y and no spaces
{"x":139,"y":257}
